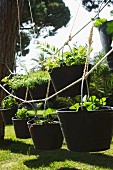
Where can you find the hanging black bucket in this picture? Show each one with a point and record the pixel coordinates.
(87, 131)
(65, 75)
(21, 128)
(106, 41)
(8, 114)
(46, 136)
(40, 90)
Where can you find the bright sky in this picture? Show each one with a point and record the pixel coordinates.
(79, 18)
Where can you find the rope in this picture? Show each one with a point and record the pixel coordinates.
(86, 65)
(75, 18)
(32, 20)
(70, 85)
(71, 37)
(47, 94)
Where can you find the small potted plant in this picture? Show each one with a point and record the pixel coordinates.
(31, 86)
(46, 132)
(9, 107)
(20, 123)
(87, 126)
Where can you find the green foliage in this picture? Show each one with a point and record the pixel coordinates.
(99, 21)
(95, 5)
(110, 27)
(22, 114)
(44, 62)
(77, 55)
(101, 79)
(9, 102)
(91, 103)
(48, 117)
(48, 17)
(63, 102)
(29, 80)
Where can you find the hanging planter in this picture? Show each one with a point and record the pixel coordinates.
(46, 134)
(87, 131)
(8, 108)
(30, 86)
(40, 90)
(65, 75)
(20, 123)
(106, 35)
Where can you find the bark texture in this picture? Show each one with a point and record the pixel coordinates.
(8, 34)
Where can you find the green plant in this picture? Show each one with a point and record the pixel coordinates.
(9, 102)
(23, 114)
(101, 79)
(29, 80)
(77, 55)
(48, 117)
(99, 21)
(91, 103)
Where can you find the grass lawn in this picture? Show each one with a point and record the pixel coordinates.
(19, 154)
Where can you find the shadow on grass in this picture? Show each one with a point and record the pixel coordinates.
(45, 158)
(17, 147)
(67, 169)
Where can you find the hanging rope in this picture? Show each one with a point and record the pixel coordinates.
(85, 71)
(75, 18)
(32, 20)
(70, 38)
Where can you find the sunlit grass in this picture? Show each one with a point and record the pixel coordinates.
(19, 154)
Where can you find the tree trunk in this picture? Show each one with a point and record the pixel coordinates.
(8, 34)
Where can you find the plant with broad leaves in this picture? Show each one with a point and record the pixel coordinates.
(47, 117)
(91, 103)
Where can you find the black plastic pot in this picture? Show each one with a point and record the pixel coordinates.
(65, 75)
(40, 90)
(21, 128)
(106, 41)
(87, 131)
(21, 92)
(8, 114)
(46, 136)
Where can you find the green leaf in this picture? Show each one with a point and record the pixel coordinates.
(75, 106)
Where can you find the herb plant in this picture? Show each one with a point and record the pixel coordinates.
(22, 114)
(28, 80)
(9, 102)
(48, 117)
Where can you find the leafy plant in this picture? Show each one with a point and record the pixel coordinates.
(9, 102)
(22, 114)
(101, 80)
(48, 117)
(99, 21)
(91, 103)
(28, 80)
(77, 55)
